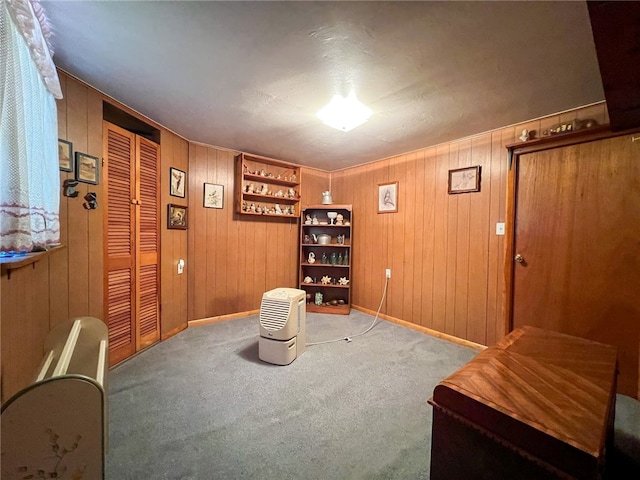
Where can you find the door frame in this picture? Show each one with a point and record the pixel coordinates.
(515, 150)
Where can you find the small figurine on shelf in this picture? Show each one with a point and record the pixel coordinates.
(307, 220)
(293, 177)
(326, 280)
(308, 279)
(314, 220)
(291, 193)
(264, 189)
(343, 281)
(250, 188)
(339, 219)
(279, 193)
(252, 207)
(311, 258)
(278, 209)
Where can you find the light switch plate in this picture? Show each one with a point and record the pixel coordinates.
(500, 228)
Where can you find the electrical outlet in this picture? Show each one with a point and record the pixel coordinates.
(387, 273)
(500, 228)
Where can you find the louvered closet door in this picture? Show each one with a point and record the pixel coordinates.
(120, 256)
(132, 226)
(148, 233)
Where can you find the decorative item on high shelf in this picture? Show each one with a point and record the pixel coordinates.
(570, 126)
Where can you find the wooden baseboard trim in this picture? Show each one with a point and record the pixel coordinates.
(221, 318)
(173, 332)
(420, 328)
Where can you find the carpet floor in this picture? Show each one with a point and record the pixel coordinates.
(201, 405)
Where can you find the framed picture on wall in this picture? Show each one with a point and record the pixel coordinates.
(87, 168)
(388, 197)
(213, 195)
(176, 216)
(463, 180)
(65, 155)
(178, 181)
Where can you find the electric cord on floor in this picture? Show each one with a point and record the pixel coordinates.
(373, 324)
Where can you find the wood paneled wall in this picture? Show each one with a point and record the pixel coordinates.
(314, 182)
(174, 152)
(447, 263)
(76, 273)
(69, 282)
(233, 260)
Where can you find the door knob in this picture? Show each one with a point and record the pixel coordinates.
(519, 258)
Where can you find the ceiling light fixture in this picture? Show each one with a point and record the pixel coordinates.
(344, 113)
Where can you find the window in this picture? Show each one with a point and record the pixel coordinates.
(29, 178)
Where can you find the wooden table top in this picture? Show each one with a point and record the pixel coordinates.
(555, 384)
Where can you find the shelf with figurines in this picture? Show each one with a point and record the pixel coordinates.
(266, 187)
(325, 257)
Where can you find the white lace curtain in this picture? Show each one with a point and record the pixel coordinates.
(29, 173)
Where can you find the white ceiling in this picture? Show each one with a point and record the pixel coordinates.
(250, 76)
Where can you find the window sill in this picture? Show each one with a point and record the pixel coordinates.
(12, 263)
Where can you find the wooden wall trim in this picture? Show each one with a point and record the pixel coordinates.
(419, 328)
(221, 318)
(581, 136)
(173, 332)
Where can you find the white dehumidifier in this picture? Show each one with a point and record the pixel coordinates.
(282, 325)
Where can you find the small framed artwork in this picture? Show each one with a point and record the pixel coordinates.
(463, 180)
(176, 216)
(65, 155)
(388, 197)
(87, 168)
(178, 180)
(213, 195)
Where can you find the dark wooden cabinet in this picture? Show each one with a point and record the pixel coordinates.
(325, 258)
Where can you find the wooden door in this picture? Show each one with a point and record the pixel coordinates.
(147, 239)
(120, 301)
(576, 247)
(132, 226)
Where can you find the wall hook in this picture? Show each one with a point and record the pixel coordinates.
(91, 201)
(69, 188)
